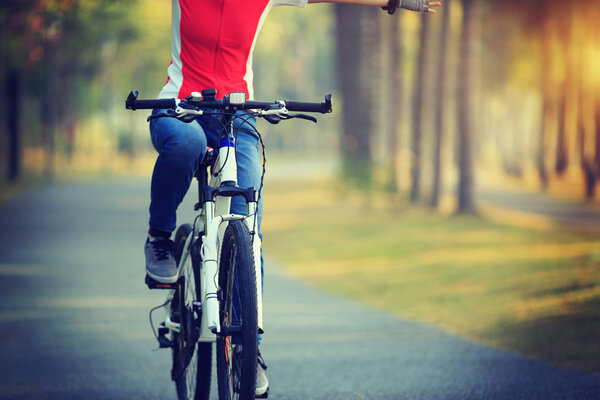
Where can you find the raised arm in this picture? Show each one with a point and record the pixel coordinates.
(413, 5)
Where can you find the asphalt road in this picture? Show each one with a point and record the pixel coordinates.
(73, 321)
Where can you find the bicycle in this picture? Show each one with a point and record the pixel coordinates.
(218, 295)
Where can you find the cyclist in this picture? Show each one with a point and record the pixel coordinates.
(211, 47)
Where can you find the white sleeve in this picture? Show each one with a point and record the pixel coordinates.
(297, 3)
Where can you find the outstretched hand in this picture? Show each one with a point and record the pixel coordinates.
(434, 4)
(423, 6)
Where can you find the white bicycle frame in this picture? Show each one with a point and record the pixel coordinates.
(212, 228)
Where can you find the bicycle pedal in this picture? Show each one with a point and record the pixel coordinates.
(163, 342)
(152, 284)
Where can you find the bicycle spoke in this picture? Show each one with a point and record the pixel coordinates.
(191, 376)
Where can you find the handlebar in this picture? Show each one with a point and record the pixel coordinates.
(233, 101)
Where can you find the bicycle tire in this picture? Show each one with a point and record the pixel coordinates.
(192, 360)
(237, 352)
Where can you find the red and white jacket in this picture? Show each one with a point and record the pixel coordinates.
(212, 44)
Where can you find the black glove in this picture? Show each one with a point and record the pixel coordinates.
(415, 5)
(412, 5)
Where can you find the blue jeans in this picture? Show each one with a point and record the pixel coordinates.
(180, 147)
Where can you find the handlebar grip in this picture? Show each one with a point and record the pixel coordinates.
(323, 108)
(132, 103)
(307, 107)
(153, 104)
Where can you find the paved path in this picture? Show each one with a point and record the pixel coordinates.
(556, 211)
(73, 321)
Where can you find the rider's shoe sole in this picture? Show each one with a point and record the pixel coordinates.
(264, 395)
(154, 283)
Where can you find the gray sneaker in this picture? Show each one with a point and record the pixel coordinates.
(160, 261)
(262, 383)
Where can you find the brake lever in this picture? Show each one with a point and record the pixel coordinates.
(182, 114)
(272, 118)
(187, 117)
(275, 118)
(304, 116)
(168, 114)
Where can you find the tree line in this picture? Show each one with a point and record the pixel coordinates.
(426, 99)
(64, 60)
(460, 67)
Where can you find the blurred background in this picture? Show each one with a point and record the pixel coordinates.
(509, 86)
(461, 162)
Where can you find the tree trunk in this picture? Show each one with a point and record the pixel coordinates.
(356, 116)
(370, 78)
(562, 158)
(567, 101)
(66, 115)
(50, 107)
(418, 96)
(546, 91)
(591, 168)
(376, 50)
(587, 164)
(13, 100)
(466, 202)
(395, 97)
(597, 137)
(4, 154)
(439, 105)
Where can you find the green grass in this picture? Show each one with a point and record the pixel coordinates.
(529, 290)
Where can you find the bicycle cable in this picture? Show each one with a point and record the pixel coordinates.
(264, 162)
(150, 317)
(246, 117)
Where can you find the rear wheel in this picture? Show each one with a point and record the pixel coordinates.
(237, 346)
(192, 360)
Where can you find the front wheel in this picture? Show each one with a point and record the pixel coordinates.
(237, 347)
(192, 360)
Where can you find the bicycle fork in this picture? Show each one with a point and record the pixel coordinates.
(209, 304)
(210, 267)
